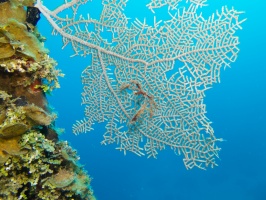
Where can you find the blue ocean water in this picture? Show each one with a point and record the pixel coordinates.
(236, 107)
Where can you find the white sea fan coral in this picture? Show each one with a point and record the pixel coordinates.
(128, 84)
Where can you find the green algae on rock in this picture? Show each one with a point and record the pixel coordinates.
(38, 168)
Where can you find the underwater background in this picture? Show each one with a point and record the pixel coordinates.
(236, 106)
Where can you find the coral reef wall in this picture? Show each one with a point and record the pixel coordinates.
(34, 164)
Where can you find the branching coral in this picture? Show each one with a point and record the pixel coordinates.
(175, 61)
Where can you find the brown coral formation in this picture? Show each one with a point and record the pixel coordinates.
(12, 130)
(9, 147)
(62, 179)
(23, 58)
(38, 115)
